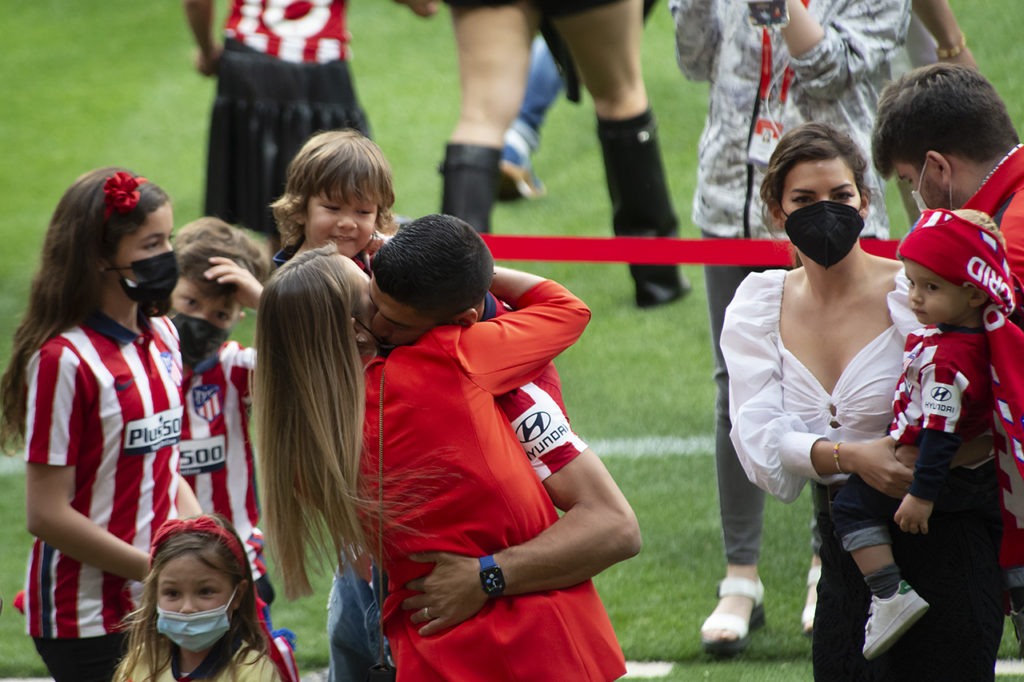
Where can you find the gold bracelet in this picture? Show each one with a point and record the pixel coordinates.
(953, 51)
(835, 456)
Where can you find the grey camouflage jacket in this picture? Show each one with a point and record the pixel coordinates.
(838, 81)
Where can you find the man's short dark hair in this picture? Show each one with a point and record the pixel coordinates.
(437, 264)
(948, 108)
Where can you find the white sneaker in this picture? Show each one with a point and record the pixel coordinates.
(889, 618)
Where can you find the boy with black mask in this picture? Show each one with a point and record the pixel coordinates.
(221, 270)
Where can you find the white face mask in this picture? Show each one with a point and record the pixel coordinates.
(195, 631)
(916, 193)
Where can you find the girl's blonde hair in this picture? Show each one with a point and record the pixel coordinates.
(67, 286)
(338, 165)
(148, 647)
(309, 404)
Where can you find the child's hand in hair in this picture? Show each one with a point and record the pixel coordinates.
(226, 271)
(913, 514)
(375, 243)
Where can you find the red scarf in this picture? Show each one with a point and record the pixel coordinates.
(963, 253)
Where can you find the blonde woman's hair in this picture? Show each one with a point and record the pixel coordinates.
(338, 165)
(149, 648)
(309, 403)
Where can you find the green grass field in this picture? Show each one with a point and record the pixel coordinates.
(90, 84)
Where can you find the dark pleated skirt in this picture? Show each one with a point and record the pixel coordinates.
(265, 110)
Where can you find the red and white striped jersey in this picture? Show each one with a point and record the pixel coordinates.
(216, 454)
(291, 30)
(537, 415)
(946, 385)
(107, 402)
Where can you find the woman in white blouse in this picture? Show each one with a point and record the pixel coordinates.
(814, 354)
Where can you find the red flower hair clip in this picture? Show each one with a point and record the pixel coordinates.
(121, 193)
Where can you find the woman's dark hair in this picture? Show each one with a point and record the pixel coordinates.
(810, 142)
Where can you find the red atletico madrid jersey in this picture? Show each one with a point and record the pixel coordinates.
(216, 454)
(946, 385)
(302, 31)
(107, 402)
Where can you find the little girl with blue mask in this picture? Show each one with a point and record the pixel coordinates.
(198, 616)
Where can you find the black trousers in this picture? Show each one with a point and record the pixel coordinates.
(955, 568)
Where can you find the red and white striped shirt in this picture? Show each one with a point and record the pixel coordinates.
(946, 385)
(107, 402)
(291, 30)
(537, 415)
(216, 454)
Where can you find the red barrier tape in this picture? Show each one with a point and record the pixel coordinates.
(656, 250)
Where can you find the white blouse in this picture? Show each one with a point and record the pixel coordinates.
(779, 409)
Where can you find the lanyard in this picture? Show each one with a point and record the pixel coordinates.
(766, 68)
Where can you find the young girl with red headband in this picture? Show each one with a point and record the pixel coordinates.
(198, 618)
(956, 370)
(93, 391)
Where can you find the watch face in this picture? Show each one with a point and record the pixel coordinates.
(492, 580)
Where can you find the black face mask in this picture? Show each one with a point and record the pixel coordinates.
(155, 278)
(825, 231)
(199, 338)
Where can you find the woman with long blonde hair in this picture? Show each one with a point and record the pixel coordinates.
(309, 413)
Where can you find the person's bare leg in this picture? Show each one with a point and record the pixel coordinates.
(605, 44)
(493, 46)
(872, 558)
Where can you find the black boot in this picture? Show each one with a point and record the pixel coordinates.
(470, 183)
(641, 206)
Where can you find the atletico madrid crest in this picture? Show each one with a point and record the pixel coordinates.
(206, 401)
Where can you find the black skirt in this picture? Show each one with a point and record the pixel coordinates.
(265, 109)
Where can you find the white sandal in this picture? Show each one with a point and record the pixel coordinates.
(807, 616)
(742, 587)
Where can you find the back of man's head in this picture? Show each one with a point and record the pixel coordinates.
(948, 108)
(437, 264)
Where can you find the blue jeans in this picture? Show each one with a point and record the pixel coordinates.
(353, 620)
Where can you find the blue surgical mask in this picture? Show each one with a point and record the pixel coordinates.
(194, 631)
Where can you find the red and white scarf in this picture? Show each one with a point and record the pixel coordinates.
(963, 253)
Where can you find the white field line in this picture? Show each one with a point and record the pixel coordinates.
(651, 446)
(654, 446)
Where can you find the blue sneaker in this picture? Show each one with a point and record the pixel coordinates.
(518, 180)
